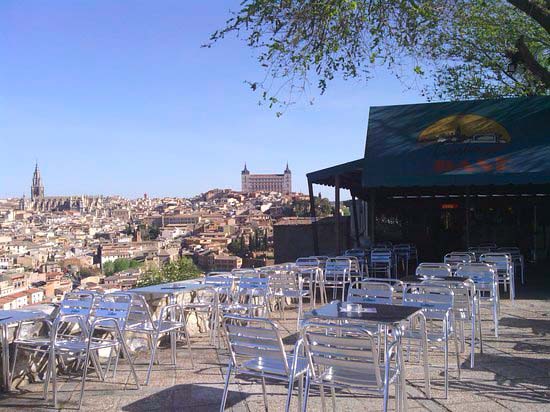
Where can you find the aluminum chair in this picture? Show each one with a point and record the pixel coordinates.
(250, 297)
(517, 259)
(434, 270)
(485, 279)
(403, 254)
(505, 270)
(465, 309)
(397, 285)
(285, 285)
(361, 258)
(381, 262)
(108, 317)
(312, 275)
(337, 275)
(367, 291)
(437, 303)
(170, 321)
(457, 258)
(346, 357)
(205, 307)
(79, 303)
(256, 349)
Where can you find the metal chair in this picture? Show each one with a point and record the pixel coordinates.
(434, 270)
(381, 262)
(485, 279)
(517, 259)
(256, 349)
(346, 357)
(171, 320)
(367, 291)
(437, 303)
(457, 258)
(250, 298)
(108, 318)
(285, 285)
(337, 275)
(361, 259)
(403, 254)
(505, 270)
(465, 309)
(78, 303)
(311, 272)
(205, 307)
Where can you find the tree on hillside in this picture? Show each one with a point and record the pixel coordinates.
(119, 265)
(181, 269)
(300, 208)
(447, 48)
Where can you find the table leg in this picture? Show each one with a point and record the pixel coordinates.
(473, 333)
(5, 359)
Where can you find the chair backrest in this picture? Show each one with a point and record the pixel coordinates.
(381, 256)
(514, 252)
(224, 282)
(349, 351)
(435, 301)
(253, 286)
(78, 303)
(463, 293)
(254, 339)
(402, 250)
(434, 270)
(322, 260)
(358, 253)
(455, 258)
(355, 266)
(337, 269)
(308, 262)
(114, 306)
(283, 280)
(483, 274)
(396, 284)
(367, 291)
(501, 261)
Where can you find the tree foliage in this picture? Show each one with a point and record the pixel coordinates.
(119, 265)
(301, 208)
(181, 269)
(446, 48)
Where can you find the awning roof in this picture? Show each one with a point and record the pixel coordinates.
(482, 143)
(350, 175)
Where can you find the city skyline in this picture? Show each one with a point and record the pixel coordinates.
(110, 108)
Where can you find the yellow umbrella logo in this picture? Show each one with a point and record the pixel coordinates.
(465, 128)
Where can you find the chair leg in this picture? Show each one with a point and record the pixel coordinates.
(457, 355)
(322, 393)
(14, 362)
(289, 392)
(188, 340)
(333, 396)
(300, 391)
(306, 393)
(264, 393)
(446, 367)
(153, 340)
(84, 374)
(226, 387)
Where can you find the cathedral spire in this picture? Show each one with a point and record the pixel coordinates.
(287, 170)
(37, 188)
(245, 170)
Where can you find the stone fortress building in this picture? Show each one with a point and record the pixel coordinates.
(43, 203)
(281, 183)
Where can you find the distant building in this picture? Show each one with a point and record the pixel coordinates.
(57, 203)
(281, 183)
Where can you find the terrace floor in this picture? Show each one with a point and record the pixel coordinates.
(513, 374)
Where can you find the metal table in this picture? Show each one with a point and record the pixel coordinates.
(169, 290)
(11, 317)
(388, 316)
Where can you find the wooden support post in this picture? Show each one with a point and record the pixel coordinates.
(337, 214)
(355, 219)
(467, 218)
(372, 214)
(313, 217)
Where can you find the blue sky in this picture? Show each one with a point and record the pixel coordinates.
(118, 97)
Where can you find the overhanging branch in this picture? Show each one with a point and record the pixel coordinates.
(524, 56)
(535, 10)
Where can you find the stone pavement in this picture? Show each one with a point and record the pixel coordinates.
(513, 374)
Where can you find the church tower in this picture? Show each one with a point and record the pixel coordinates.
(37, 189)
(245, 176)
(287, 181)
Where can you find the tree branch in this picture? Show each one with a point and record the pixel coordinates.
(523, 55)
(535, 10)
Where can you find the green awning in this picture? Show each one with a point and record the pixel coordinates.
(468, 143)
(350, 175)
